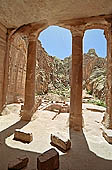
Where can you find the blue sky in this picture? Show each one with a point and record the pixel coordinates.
(57, 41)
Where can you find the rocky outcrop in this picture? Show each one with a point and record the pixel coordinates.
(53, 75)
(94, 74)
(44, 70)
(60, 78)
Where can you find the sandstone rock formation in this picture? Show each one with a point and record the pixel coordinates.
(60, 79)
(53, 75)
(44, 70)
(94, 74)
(17, 70)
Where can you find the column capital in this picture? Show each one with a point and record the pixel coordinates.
(108, 32)
(77, 30)
(32, 37)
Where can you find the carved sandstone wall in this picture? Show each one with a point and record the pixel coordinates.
(17, 70)
(3, 37)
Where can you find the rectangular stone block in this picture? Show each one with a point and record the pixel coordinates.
(62, 144)
(18, 163)
(49, 160)
(23, 136)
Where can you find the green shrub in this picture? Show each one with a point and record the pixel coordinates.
(97, 102)
(89, 92)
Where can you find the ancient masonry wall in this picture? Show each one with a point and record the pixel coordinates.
(17, 70)
(3, 35)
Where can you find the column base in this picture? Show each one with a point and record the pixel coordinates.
(76, 123)
(107, 121)
(25, 115)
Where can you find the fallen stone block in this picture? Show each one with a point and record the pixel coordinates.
(107, 134)
(96, 109)
(18, 163)
(65, 109)
(22, 136)
(61, 143)
(49, 160)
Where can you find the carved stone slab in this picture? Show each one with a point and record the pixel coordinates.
(61, 143)
(23, 136)
(18, 163)
(49, 160)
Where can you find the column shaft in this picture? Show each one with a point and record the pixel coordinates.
(76, 84)
(108, 115)
(30, 81)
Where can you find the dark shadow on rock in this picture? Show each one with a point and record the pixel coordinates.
(79, 157)
(9, 154)
(58, 147)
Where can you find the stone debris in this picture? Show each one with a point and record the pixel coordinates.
(107, 134)
(49, 160)
(62, 108)
(18, 163)
(96, 109)
(61, 143)
(23, 136)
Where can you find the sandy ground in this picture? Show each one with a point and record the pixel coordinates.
(89, 149)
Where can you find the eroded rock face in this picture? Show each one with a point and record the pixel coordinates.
(60, 142)
(44, 70)
(52, 74)
(17, 70)
(89, 61)
(94, 74)
(18, 163)
(48, 160)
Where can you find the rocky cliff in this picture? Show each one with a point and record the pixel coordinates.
(44, 70)
(94, 75)
(53, 75)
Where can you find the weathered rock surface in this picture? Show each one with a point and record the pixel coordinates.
(61, 143)
(94, 74)
(23, 136)
(44, 70)
(16, 14)
(61, 107)
(18, 163)
(49, 160)
(53, 75)
(17, 70)
(3, 37)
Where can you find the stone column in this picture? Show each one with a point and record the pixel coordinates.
(76, 80)
(30, 79)
(108, 116)
(6, 65)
